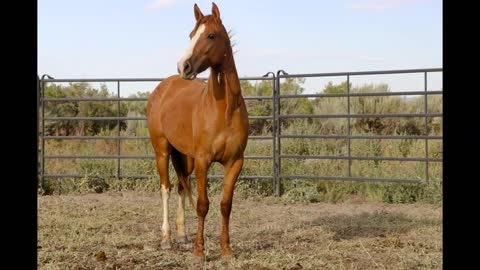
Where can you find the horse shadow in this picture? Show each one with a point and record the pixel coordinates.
(379, 224)
(369, 225)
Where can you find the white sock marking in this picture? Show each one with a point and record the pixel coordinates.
(181, 215)
(165, 226)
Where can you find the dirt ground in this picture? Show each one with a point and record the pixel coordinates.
(122, 230)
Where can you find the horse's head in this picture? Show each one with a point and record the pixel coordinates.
(209, 44)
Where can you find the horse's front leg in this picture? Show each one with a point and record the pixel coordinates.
(201, 168)
(162, 154)
(232, 170)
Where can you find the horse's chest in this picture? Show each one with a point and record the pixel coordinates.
(228, 144)
(218, 139)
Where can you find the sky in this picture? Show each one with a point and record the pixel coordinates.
(146, 38)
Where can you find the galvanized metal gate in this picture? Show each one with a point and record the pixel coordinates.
(276, 119)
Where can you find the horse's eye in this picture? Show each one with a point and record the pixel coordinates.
(211, 36)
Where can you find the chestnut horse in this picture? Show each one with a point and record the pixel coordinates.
(197, 123)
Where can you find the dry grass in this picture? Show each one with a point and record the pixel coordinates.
(121, 230)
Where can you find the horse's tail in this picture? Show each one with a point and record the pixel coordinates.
(187, 188)
(181, 164)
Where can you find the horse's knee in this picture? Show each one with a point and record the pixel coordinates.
(226, 207)
(165, 189)
(202, 207)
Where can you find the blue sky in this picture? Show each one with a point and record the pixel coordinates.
(146, 38)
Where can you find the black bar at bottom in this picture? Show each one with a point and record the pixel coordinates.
(147, 176)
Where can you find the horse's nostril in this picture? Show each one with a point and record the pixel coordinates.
(186, 67)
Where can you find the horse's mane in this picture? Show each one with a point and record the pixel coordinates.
(231, 34)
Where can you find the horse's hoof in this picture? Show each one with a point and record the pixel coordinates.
(166, 245)
(182, 240)
(227, 258)
(198, 259)
(185, 243)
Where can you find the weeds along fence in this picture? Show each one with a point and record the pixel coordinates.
(277, 137)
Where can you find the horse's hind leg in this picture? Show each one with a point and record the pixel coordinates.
(183, 167)
(162, 154)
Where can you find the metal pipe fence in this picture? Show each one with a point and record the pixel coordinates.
(349, 135)
(277, 118)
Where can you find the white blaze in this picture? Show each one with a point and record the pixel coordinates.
(191, 46)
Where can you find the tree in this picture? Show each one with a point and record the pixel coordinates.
(265, 107)
(260, 107)
(79, 109)
(336, 89)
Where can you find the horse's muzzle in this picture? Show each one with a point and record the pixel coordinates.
(185, 70)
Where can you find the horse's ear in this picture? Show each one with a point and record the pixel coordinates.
(215, 11)
(198, 13)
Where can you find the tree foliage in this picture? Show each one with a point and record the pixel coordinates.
(256, 107)
(79, 109)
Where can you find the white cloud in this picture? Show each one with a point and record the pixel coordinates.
(381, 4)
(160, 4)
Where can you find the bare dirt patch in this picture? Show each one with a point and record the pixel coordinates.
(121, 230)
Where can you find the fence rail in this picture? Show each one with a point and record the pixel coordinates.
(276, 138)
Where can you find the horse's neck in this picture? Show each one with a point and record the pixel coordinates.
(224, 87)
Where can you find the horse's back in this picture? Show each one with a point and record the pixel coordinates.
(172, 87)
(173, 91)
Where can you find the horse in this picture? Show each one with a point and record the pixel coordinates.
(197, 123)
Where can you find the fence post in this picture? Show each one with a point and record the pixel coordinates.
(276, 139)
(278, 191)
(274, 124)
(426, 129)
(38, 165)
(118, 132)
(349, 132)
(42, 98)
